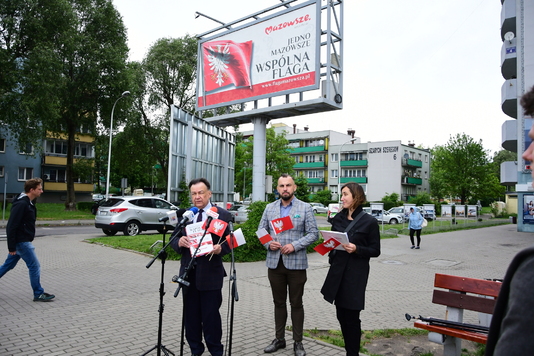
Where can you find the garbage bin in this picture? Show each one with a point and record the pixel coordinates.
(513, 219)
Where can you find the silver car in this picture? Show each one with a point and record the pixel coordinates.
(385, 216)
(240, 215)
(319, 208)
(131, 215)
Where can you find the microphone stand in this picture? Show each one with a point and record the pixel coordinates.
(235, 296)
(162, 254)
(182, 280)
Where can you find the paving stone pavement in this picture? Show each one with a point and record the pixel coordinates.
(107, 300)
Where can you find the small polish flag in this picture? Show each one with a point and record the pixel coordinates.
(238, 239)
(281, 224)
(326, 246)
(264, 236)
(217, 227)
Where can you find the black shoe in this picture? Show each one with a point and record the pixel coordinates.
(45, 297)
(299, 349)
(275, 345)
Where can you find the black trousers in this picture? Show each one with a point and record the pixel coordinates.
(418, 234)
(351, 328)
(202, 316)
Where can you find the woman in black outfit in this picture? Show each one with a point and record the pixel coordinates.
(346, 280)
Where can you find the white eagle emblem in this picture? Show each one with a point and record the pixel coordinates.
(330, 244)
(219, 58)
(218, 226)
(278, 225)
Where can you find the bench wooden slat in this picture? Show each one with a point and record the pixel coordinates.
(464, 301)
(467, 335)
(468, 285)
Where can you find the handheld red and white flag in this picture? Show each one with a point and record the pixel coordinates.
(281, 224)
(264, 236)
(326, 246)
(238, 239)
(217, 227)
(226, 62)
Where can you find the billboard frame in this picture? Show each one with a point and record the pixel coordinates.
(291, 102)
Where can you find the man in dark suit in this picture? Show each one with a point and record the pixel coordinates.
(203, 297)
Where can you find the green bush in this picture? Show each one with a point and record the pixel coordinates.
(85, 205)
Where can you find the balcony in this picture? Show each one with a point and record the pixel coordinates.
(308, 149)
(358, 163)
(316, 180)
(358, 180)
(57, 160)
(304, 165)
(412, 163)
(508, 17)
(62, 187)
(509, 59)
(509, 98)
(509, 135)
(509, 173)
(412, 180)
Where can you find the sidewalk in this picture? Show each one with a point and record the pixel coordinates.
(107, 300)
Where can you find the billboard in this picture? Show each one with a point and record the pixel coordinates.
(274, 56)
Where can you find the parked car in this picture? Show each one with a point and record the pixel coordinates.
(427, 214)
(385, 216)
(319, 208)
(96, 205)
(240, 215)
(233, 210)
(132, 215)
(98, 197)
(400, 210)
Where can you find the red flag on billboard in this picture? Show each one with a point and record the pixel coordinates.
(326, 246)
(281, 224)
(264, 236)
(225, 63)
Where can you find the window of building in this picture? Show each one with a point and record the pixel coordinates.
(55, 175)
(354, 173)
(313, 143)
(310, 159)
(333, 189)
(295, 144)
(321, 158)
(314, 174)
(334, 173)
(27, 150)
(334, 157)
(354, 156)
(2, 145)
(25, 173)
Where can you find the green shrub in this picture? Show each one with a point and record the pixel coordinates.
(85, 205)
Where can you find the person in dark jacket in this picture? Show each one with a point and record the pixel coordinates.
(513, 317)
(203, 297)
(20, 234)
(347, 277)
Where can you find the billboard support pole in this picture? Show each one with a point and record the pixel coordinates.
(258, 158)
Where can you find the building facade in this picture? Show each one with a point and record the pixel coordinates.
(329, 159)
(517, 68)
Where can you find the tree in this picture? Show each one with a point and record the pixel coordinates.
(303, 192)
(66, 64)
(461, 168)
(278, 159)
(323, 196)
(390, 200)
(501, 157)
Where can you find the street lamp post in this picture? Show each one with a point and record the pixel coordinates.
(126, 93)
(339, 168)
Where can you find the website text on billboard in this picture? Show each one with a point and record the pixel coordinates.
(274, 56)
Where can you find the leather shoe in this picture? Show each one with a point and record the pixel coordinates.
(275, 345)
(299, 349)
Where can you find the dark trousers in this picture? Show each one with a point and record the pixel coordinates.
(351, 328)
(202, 316)
(281, 280)
(418, 234)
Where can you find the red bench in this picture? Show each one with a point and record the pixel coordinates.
(461, 294)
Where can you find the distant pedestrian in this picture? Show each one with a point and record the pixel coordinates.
(415, 225)
(20, 234)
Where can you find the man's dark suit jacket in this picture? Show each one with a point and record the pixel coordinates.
(209, 273)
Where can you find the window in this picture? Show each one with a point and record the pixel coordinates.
(334, 157)
(333, 189)
(334, 173)
(354, 156)
(25, 174)
(314, 174)
(2, 145)
(354, 173)
(28, 150)
(310, 159)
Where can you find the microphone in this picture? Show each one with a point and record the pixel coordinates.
(164, 218)
(212, 214)
(231, 226)
(188, 215)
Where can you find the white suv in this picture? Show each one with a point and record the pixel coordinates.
(131, 215)
(386, 217)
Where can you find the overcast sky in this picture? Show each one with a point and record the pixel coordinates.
(415, 70)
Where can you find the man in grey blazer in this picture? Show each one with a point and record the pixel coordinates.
(287, 260)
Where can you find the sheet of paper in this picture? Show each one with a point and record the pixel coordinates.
(339, 236)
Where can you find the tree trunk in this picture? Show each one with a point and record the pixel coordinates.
(70, 202)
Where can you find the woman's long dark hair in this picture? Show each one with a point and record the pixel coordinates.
(358, 195)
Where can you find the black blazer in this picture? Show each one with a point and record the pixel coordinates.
(209, 273)
(346, 280)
